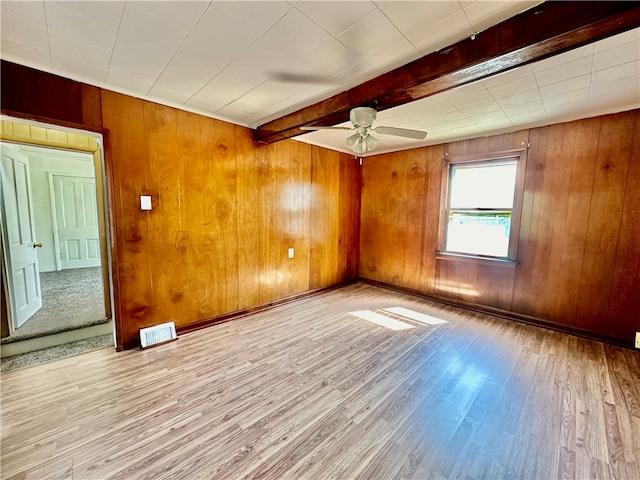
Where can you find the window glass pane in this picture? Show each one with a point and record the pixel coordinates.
(479, 233)
(483, 186)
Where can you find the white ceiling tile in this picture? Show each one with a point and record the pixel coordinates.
(435, 121)
(237, 109)
(617, 40)
(168, 94)
(567, 109)
(264, 56)
(357, 74)
(443, 34)
(623, 87)
(188, 71)
(297, 34)
(216, 41)
(508, 76)
(21, 52)
(128, 84)
(79, 51)
(438, 111)
(27, 12)
(480, 109)
(271, 92)
(243, 74)
(524, 108)
(128, 68)
(413, 17)
(433, 128)
(478, 97)
(283, 107)
(557, 60)
(257, 16)
(108, 13)
(217, 31)
(521, 98)
(181, 14)
(185, 86)
(492, 120)
(328, 60)
(141, 51)
(329, 19)
(618, 55)
(465, 90)
(433, 105)
(581, 95)
(571, 69)
(25, 33)
(223, 89)
(395, 56)
(518, 117)
(140, 24)
(507, 89)
(619, 71)
(204, 104)
(80, 28)
(371, 35)
(78, 69)
(484, 14)
(614, 103)
(565, 86)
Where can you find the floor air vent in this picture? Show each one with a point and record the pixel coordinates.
(157, 335)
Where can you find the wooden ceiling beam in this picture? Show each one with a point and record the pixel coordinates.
(548, 29)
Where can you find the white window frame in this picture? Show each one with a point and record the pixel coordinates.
(519, 156)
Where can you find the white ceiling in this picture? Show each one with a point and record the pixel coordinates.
(249, 62)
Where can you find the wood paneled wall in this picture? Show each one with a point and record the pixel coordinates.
(579, 241)
(29, 91)
(225, 212)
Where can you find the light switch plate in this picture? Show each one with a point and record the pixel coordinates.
(145, 202)
(290, 253)
(637, 339)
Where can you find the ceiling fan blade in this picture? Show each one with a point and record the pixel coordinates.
(402, 132)
(325, 128)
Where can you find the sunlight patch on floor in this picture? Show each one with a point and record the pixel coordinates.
(416, 316)
(381, 320)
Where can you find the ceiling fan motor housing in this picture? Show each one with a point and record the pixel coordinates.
(362, 116)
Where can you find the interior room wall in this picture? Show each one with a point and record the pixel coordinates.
(578, 251)
(40, 165)
(226, 211)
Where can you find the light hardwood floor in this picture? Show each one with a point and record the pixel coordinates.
(307, 391)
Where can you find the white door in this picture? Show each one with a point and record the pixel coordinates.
(76, 211)
(19, 236)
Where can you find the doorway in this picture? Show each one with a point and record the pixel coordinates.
(53, 211)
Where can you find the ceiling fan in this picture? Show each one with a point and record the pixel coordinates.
(362, 141)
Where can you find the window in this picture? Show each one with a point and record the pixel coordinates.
(482, 208)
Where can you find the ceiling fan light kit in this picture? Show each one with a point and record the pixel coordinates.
(362, 141)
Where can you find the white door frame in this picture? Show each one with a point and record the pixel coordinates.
(101, 179)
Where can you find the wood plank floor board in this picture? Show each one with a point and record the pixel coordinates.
(307, 391)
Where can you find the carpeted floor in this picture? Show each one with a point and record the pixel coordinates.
(71, 299)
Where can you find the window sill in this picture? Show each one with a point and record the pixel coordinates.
(459, 257)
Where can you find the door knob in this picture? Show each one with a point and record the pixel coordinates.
(37, 245)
